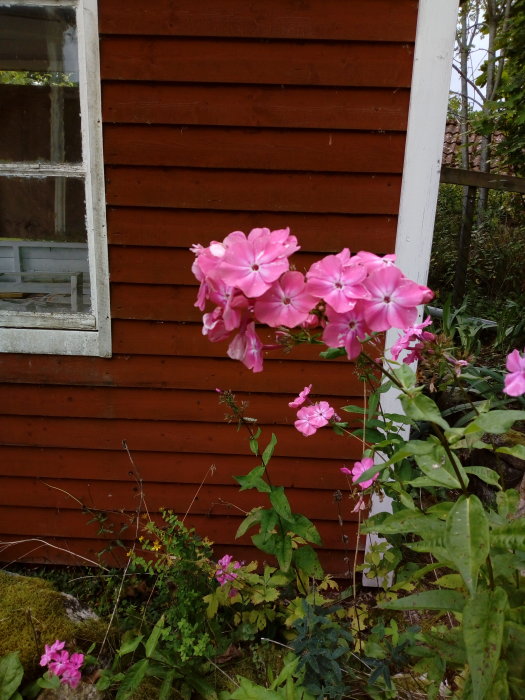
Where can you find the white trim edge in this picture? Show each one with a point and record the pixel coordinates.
(434, 51)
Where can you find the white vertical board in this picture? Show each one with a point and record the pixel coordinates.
(434, 51)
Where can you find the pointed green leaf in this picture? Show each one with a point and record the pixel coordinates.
(422, 408)
(151, 644)
(268, 450)
(436, 466)
(305, 528)
(467, 538)
(489, 476)
(132, 679)
(249, 521)
(283, 551)
(509, 536)
(516, 451)
(407, 521)
(280, 502)
(406, 376)
(166, 689)
(306, 559)
(129, 645)
(428, 600)
(254, 480)
(496, 422)
(11, 674)
(483, 618)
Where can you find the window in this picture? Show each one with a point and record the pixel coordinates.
(54, 281)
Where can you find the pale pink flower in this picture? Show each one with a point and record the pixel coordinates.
(311, 418)
(360, 468)
(247, 347)
(225, 571)
(393, 299)
(213, 325)
(336, 280)
(410, 335)
(345, 330)
(374, 262)
(288, 302)
(51, 651)
(307, 421)
(515, 380)
(301, 398)
(254, 263)
(311, 321)
(360, 505)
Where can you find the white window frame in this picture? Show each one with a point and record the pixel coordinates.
(64, 333)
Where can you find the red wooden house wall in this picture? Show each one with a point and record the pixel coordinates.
(217, 116)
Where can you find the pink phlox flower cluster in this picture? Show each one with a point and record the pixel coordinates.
(226, 570)
(415, 334)
(60, 663)
(515, 380)
(249, 280)
(360, 468)
(311, 418)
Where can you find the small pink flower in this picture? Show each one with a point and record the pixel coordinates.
(338, 281)
(393, 299)
(345, 330)
(360, 468)
(311, 418)
(410, 335)
(71, 677)
(515, 380)
(301, 398)
(225, 571)
(288, 302)
(247, 347)
(51, 650)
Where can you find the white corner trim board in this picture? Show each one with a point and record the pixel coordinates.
(434, 51)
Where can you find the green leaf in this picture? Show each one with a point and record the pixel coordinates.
(11, 674)
(132, 679)
(509, 536)
(483, 617)
(489, 476)
(280, 502)
(496, 422)
(428, 600)
(516, 451)
(306, 559)
(467, 538)
(151, 644)
(422, 408)
(353, 409)
(166, 689)
(268, 450)
(406, 376)
(284, 552)
(254, 480)
(249, 521)
(436, 466)
(130, 644)
(332, 353)
(305, 528)
(406, 521)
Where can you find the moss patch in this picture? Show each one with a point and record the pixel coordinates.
(33, 613)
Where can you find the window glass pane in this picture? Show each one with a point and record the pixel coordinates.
(40, 115)
(43, 246)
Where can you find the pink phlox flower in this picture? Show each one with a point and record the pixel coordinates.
(337, 282)
(323, 412)
(345, 330)
(213, 325)
(311, 321)
(50, 652)
(311, 418)
(360, 505)
(360, 468)
(282, 237)
(225, 571)
(59, 663)
(410, 335)
(374, 262)
(71, 676)
(287, 302)
(515, 380)
(254, 264)
(247, 348)
(301, 398)
(233, 302)
(393, 299)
